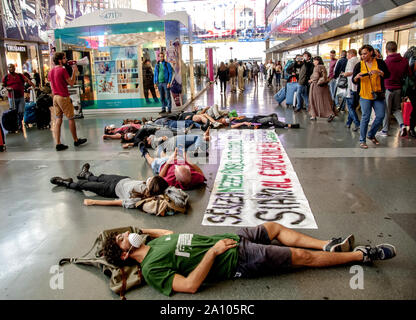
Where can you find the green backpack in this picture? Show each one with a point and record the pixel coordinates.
(121, 279)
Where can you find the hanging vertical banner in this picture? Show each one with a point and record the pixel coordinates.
(173, 56)
(209, 63)
(256, 183)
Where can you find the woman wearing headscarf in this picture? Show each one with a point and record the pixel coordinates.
(320, 101)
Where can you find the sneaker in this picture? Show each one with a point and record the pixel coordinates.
(216, 125)
(356, 129)
(199, 152)
(60, 147)
(79, 142)
(331, 117)
(383, 133)
(403, 131)
(340, 244)
(85, 172)
(347, 126)
(381, 252)
(61, 181)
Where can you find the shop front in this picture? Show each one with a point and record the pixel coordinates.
(113, 78)
(23, 55)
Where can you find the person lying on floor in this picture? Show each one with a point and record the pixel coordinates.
(177, 170)
(202, 118)
(112, 132)
(256, 122)
(178, 124)
(127, 191)
(174, 262)
(192, 142)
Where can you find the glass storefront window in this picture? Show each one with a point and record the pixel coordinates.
(403, 41)
(412, 37)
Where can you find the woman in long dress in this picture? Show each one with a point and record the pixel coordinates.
(240, 76)
(320, 101)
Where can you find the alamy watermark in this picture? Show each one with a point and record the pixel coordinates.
(357, 280)
(56, 282)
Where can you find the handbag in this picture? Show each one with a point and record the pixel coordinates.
(377, 95)
(342, 82)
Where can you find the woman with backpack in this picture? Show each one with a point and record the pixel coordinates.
(127, 190)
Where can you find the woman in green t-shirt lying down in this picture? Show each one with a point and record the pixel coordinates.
(181, 262)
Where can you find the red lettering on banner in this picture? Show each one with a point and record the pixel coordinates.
(282, 173)
(286, 184)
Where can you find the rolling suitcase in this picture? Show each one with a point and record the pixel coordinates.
(2, 140)
(43, 114)
(30, 113)
(9, 118)
(280, 95)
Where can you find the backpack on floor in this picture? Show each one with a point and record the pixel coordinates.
(122, 279)
(173, 201)
(43, 113)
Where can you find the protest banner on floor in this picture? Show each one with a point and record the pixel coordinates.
(256, 183)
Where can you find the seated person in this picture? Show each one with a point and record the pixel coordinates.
(174, 262)
(260, 121)
(180, 173)
(190, 141)
(111, 132)
(127, 190)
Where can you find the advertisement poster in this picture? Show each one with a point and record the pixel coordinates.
(256, 183)
(106, 84)
(173, 56)
(105, 67)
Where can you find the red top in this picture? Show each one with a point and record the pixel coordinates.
(196, 177)
(15, 81)
(57, 77)
(126, 127)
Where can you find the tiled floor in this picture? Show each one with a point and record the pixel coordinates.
(370, 193)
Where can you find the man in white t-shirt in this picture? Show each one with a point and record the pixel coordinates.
(352, 94)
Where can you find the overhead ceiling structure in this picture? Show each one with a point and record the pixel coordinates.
(372, 14)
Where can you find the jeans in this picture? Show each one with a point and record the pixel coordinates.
(352, 104)
(183, 141)
(104, 185)
(302, 95)
(393, 104)
(366, 106)
(157, 164)
(19, 104)
(332, 88)
(165, 96)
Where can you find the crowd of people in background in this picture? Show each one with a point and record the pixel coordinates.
(369, 88)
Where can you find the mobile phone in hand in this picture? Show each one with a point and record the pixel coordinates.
(365, 74)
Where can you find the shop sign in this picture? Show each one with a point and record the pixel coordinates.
(110, 15)
(15, 48)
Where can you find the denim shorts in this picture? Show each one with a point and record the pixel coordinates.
(257, 256)
(157, 164)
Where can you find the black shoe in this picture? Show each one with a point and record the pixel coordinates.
(79, 142)
(85, 172)
(2, 148)
(331, 117)
(295, 126)
(206, 126)
(60, 147)
(199, 151)
(61, 181)
(412, 133)
(142, 148)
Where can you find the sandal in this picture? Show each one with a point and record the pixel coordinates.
(363, 145)
(374, 140)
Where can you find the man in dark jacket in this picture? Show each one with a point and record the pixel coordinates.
(303, 84)
(399, 69)
(148, 81)
(340, 68)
